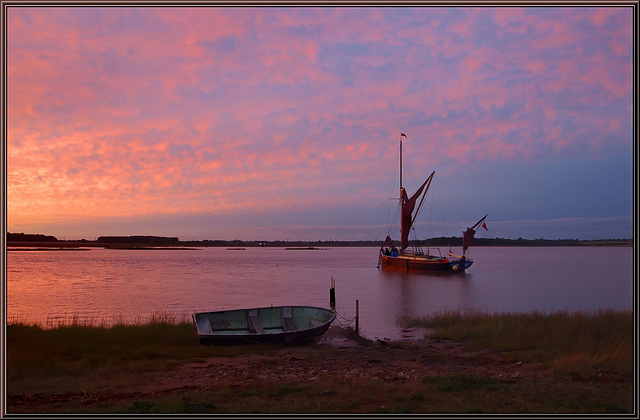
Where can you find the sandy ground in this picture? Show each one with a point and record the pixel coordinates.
(337, 355)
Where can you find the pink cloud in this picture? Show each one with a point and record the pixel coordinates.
(138, 111)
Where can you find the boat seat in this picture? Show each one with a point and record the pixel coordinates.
(255, 326)
(289, 325)
(287, 319)
(205, 326)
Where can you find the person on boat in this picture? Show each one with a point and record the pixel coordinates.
(390, 248)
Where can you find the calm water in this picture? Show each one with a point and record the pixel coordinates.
(102, 284)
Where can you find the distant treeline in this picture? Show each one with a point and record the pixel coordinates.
(457, 242)
(146, 240)
(29, 237)
(453, 241)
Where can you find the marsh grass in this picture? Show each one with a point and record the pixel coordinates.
(568, 342)
(81, 348)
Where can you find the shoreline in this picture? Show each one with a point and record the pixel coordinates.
(33, 240)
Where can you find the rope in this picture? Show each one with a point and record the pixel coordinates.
(348, 321)
(394, 224)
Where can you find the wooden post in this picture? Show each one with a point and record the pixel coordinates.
(332, 294)
(357, 316)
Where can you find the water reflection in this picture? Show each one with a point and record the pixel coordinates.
(414, 295)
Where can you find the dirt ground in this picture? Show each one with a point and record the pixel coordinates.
(337, 355)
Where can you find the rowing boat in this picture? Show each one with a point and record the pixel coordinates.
(285, 324)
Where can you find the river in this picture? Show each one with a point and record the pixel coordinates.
(103, 285)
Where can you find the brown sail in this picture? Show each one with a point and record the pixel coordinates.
(467, 236)
(408, 205)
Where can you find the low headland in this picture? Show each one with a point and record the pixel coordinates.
(39, 241)
(468, 362)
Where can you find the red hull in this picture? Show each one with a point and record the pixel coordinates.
(418, 263)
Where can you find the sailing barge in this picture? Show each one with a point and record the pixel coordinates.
(392, 258)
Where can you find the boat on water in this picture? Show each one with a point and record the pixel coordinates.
(285, 324)
(405, 259)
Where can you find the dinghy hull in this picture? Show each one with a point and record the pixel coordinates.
(286, 324)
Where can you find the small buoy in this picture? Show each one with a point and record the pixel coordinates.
(455, 267)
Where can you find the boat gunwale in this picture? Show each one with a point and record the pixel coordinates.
(419, 257)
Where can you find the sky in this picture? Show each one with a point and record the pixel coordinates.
(268, 123)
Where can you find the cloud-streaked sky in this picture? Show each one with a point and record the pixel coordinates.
(284, 123)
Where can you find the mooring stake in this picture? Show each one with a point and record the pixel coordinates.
(332, 294)
(357, 316)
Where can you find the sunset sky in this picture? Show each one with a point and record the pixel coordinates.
(284, 123)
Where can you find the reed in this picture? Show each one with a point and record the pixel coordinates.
(566, 341)
(76, 347)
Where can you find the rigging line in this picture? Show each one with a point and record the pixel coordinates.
(429, 215)
(410, 179)
(392, 191)
(446, 231)
(391, 221)
(389, 194)
(392, 225)
(426, 213)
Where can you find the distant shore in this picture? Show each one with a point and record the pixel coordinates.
(20, 241)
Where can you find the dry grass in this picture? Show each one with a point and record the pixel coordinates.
(76, 347)
(569, 342)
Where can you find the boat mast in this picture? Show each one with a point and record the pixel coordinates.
(402, 194)
(401, 165)
(407, 204)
